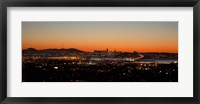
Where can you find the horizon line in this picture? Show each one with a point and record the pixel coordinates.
(105, 50)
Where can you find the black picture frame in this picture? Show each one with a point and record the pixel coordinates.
(99, 3)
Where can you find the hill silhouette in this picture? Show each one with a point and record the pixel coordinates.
(51, 51)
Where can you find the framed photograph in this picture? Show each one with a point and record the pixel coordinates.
(98, 51)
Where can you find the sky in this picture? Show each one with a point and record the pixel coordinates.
(125, 36)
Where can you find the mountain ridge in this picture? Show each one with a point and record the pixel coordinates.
(52, 50)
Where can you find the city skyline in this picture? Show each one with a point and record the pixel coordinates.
(89, 36)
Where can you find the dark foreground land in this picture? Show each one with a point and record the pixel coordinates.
(52, 70)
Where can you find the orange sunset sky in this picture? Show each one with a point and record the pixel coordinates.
(89, 36)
